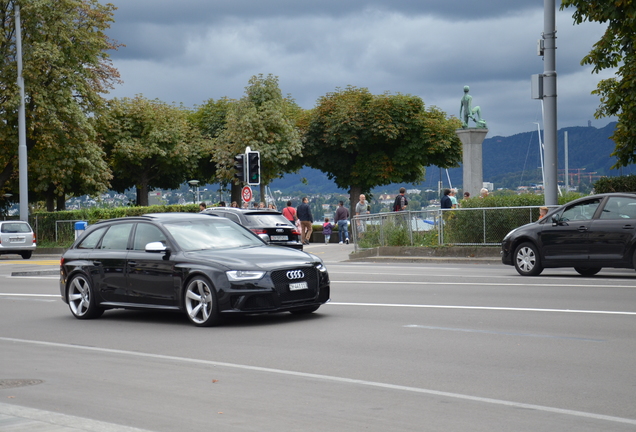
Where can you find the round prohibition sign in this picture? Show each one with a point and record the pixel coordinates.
(246, 193)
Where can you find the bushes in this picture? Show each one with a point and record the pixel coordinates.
(616, 184)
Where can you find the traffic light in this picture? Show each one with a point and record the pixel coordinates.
(239, 166)
(253, 168)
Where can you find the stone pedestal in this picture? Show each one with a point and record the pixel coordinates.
(472, 139)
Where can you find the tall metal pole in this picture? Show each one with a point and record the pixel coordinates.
(567, 165)
(22, 149)
(550, 102)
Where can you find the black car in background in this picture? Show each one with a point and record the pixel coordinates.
(588, 234)
(204, 266)
(269, 224)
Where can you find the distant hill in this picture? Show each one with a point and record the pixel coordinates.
(508, 162)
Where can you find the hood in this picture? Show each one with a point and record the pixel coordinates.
(263, 257)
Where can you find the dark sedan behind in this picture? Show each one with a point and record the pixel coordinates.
(588, 234)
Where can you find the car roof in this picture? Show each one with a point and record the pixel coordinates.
(603, 195)
(211, 210)
(158, 217)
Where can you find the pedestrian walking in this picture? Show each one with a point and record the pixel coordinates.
(303, 212)
(327, 228)
(290, 212)
(446, 202)
(400, 202)
(342, 219)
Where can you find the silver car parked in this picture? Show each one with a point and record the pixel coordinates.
(17, 237)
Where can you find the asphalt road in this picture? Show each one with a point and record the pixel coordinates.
(401, 347)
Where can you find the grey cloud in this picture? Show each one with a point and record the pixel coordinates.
(395, 49)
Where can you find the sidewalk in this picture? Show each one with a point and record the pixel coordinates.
(20, 419)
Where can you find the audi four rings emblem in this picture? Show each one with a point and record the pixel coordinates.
(295, 274)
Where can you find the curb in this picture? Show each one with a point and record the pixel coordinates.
(466, 255)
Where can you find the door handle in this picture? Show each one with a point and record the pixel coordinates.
(582, 229)
(97, 263)
(628, 226)
(132, 263)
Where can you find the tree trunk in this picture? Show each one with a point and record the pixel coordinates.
(142, 195)
(236, 194)
(354, 197)
(61, 203)
(50, 199)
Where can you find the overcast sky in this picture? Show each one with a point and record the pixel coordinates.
(189, 51)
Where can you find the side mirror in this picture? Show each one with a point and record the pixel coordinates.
(556, 219)
(264, 237)
(156, 247)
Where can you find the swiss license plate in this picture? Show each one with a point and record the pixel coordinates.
(16, 239)
(279, 237)
(298, 286)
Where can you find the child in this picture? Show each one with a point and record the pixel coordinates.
(326, 230)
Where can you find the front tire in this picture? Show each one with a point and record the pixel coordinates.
(200, 303)
(587, 271)
(81, 299)
(527, 260)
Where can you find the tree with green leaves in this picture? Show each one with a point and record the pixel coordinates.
(66, 70)
(211, 119)
(615, 49)
(150, 144)
(264, 121)
(361, 140)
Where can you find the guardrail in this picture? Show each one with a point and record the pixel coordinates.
(485, 226)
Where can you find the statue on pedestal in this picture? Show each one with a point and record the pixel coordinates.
(466, 111)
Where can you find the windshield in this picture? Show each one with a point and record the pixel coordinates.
(192, 235)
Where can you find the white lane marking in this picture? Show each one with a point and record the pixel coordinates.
(502, 333)
(28, 295)
(481, 308)
(543, 285)
(427, 273)
(336, 379)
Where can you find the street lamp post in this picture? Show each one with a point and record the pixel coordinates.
(22, 150)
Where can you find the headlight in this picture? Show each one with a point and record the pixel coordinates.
(243, 275)
(321, 267)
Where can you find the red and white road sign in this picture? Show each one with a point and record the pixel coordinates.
(246, 193)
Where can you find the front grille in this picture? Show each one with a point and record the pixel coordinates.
(281, 283)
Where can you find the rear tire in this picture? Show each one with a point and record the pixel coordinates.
(527, 260)
(587, 271)
(81, 299)
(26, 255)
(200, 302)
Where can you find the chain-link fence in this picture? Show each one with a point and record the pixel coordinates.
(407, 228)
(463, 227)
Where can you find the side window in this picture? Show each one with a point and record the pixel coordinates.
(92, 239)
(146, 233)
(117, 236)
(581, 211)
(619, 208)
